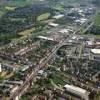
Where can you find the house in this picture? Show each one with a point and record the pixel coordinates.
(9, 67)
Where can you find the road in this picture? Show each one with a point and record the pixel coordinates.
(88, 27)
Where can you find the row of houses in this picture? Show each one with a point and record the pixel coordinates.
(12, 67)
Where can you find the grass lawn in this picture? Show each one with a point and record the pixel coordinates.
(61, 78)
(97, 20)
(9, 8)
(43, 16)
(1, 13)
(97, 36)
(59, 7)
(26, 32)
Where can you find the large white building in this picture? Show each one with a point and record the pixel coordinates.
(58, 16)
(95, 54)
(45, 38)
(77, 91)
(53, 24)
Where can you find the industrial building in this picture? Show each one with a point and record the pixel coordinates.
(45, 38)
(95, 54)
(53, 24)
(77, 91)
(58, 16)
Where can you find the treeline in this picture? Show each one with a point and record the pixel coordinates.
(96, 2)
(95, 30)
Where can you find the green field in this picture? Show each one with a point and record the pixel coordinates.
(9, 8)
(97, 20)
(59, 7)
(1, 13)
(43, 16)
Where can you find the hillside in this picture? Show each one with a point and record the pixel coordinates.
(19, 15)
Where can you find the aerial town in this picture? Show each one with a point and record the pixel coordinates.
(49, 50)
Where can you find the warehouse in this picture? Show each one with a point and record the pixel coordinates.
(46, 38)
(53, 24)
(77, 91)
(95, 54)
(58, 16)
